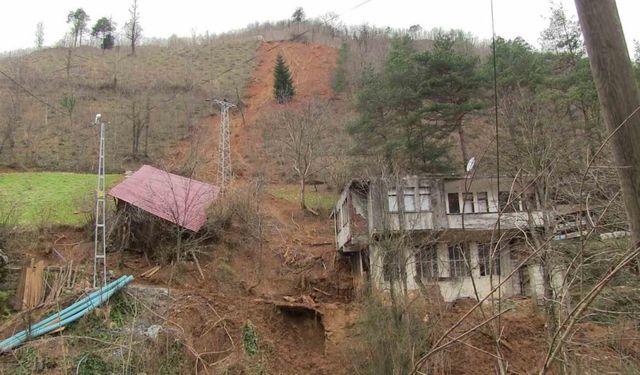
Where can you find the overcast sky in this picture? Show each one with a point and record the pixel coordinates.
(162, 18)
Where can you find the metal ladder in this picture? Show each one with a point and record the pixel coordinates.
(100, 244)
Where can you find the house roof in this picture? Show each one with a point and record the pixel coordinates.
(180, 200)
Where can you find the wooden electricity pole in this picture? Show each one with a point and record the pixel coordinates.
(618, 94)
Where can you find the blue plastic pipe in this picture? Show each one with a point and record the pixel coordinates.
(61, 315)
(66, 316)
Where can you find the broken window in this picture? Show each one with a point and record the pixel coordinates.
(459, 261)
(409, 199)
(427, 262)
(484, 260)
(454, 203)
(393, 201)
(483, 202)
(468, 202)
(424, 194)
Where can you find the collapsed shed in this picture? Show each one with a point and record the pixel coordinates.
(153, 193)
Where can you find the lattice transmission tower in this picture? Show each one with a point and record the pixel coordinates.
(100, 243)
(224, 147)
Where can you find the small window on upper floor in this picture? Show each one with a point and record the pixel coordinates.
(424, 196)
(483, 202)
(454, 203)
(468, 203)
(409, 199)
(393, 201)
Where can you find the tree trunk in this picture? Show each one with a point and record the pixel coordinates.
(133, 37)
(618, 95)
(463, 145)
(302, 187)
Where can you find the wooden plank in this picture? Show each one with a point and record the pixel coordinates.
(19, 296)
(150, 272)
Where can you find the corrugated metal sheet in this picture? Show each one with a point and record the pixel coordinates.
(178, 199)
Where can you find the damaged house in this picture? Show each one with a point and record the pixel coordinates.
(150, 198)
(439, 232)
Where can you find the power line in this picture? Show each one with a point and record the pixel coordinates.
(495, 107)
(29, 92)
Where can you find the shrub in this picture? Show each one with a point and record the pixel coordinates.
(250, 339)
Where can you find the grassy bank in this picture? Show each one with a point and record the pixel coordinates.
(48, 197)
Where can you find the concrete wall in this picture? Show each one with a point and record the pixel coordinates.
(459, 287)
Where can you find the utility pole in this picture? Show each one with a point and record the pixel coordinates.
(100, 243)
(224, 147)
(618, 94)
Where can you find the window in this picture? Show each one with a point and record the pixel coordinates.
(459, 261)
(483, 202)
(391, 270)
(454, 203)
(409, 199)
(427, 262)
(504, 204)
(484, 260)
(468, 202)
(393, 201)
(424, 194)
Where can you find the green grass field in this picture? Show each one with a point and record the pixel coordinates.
(313, 199)
(49, 197)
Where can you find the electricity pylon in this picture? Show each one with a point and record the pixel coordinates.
(224, 147)
(100, 243)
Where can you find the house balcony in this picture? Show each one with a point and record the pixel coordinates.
(489, 220)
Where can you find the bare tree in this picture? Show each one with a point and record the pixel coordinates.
(300, 137)
(133, 30)
(139, 116)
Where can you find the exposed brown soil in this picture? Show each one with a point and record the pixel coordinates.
(296, 260)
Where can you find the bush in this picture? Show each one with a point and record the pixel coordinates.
(92, 364)
(250, 339)
(387, 331)
(240, 208)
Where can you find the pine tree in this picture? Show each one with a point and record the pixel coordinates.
(283, 89)
(339, 79)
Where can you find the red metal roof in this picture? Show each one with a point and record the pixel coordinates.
(178, 199)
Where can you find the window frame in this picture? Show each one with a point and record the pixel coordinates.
(466, 201)
(409, 192)
(484, 259)
(459, 260)
(424, 195)
(485, 200)
(457, 203)
(392, 196)
(426, 258)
